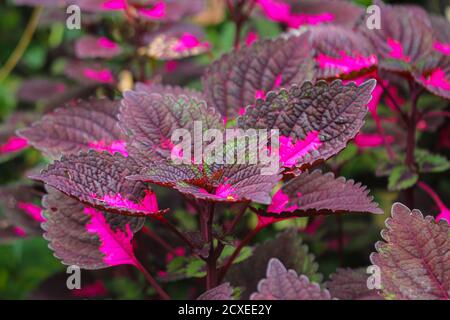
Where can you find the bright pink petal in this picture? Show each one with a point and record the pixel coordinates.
(13, 144)
(275, 10)
(115, 244)
(251, 37)
(297, 20)
(346, 63)
(102, 76)
(18, 231)
(171, 66)
(148, 204)
(157, 12)
(437, 79)
(106, 43)
(397, 50)
(115, 146)
(443, 48)
(114, 5)
(96, 289)
(290, 153)
(32, 210)
(279, 203)
(371, 140)
(189, 41)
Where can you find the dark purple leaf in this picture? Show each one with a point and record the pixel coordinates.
(87, 125)
(222, 292)
(342, 12)
(20, 212)
(86, 237)
(40, 89)
(405, 38)
(151, 119)
(315, 121)
(238, 78)
(350, 284)
(96, 47)
(295, 255)
(168, 90)
(99, 180)
(414, 260)
(282, 284)
(316, 191)
(89, 73)
(341, 51)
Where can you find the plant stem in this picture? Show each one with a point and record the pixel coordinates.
(433, 195)
(340, 240)
(163, 294)
(411, 139)
(21, 47)
(158, 239)
(234, 255)
(179, 234)
(206, 226)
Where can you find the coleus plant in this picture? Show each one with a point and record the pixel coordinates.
(314, 84)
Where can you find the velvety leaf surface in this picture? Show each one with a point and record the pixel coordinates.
(405, 38)
(342, 12)
(151, 118)
(99, 180)
(85, 237)
(434, 73)
(96, 47)
(218, 183)
(222, 292)
(88, 125)
(40, 89)
(168, 90)
(20, 211)
(350, 284)
(238, 78)
(322, 192)
(282, 284)
(340, 51)
(317, 120)
(294, 255)
(414, 258)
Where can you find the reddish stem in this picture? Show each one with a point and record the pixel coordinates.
(163, 294)
(238, 249)
(433, 195)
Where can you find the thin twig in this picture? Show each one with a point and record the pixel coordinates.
(163, 294)
(21, 47)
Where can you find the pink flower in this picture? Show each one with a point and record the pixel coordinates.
(297, 20)
(13, 144)
(397, 50)
(437, 79)
(148, 204)
(189, 41)
(444, 213)
(346, 63)
(114, 5)
(106, 43)
(34, 211)
(102, 76)
(371, 140)
(115, 244)
(290, 152)
(115, 146)
(157, 12)
(279, 203)
(275, 10)
(251, 37)
(443, 48)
